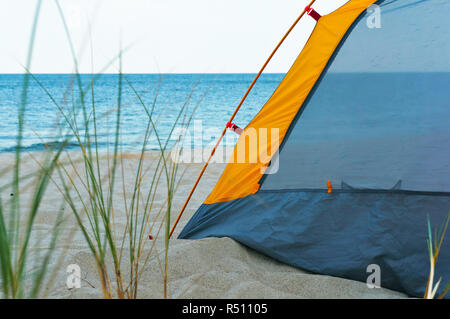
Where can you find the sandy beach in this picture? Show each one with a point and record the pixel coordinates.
(207, 268)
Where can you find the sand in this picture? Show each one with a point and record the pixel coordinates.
(207, 268)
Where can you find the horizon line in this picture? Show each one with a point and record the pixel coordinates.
(139, 73)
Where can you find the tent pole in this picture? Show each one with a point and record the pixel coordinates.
(233, 115)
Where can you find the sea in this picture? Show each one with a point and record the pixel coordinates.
(344, 106)
(56, 105)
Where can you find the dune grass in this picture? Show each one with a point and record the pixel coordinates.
(23, 270)
(96, 193)
(434, 247)
(96, 216)
(91, 192)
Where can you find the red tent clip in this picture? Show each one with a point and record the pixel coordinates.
(236, 129)
(313, 13)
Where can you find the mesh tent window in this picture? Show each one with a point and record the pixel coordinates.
(381, 112)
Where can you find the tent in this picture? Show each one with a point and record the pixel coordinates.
(362, 155)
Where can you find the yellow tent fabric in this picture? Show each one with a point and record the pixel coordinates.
(241, 177)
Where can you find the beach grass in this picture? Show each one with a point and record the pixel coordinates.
(96, 218)
(434, 244)
(90, 193)
(23, 269)
(142, 215)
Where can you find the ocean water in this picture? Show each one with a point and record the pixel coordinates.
(214, 95)
(345, 106)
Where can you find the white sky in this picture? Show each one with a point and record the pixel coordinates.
(168, 36)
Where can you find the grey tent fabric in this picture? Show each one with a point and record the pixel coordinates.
(338, 234)
(377, 125)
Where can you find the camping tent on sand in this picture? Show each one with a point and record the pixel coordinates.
(363, 151)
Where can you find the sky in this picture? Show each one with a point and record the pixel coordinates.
(161, 36)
